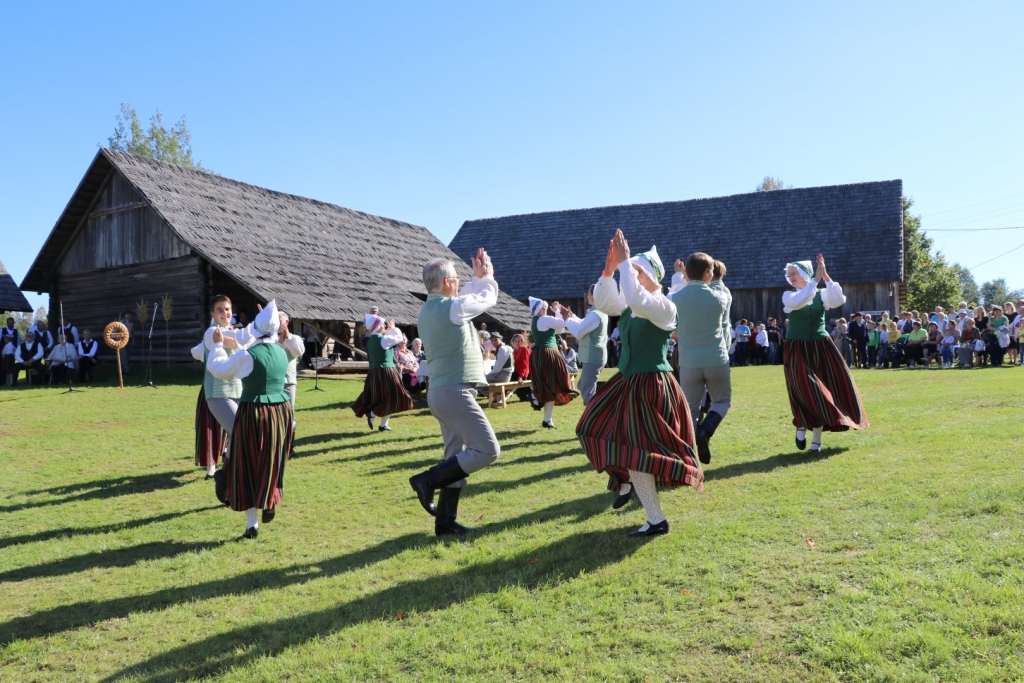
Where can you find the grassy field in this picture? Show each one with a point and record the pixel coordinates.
(895, 554)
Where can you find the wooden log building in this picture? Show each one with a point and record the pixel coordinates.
(138, 229)
(859, 227)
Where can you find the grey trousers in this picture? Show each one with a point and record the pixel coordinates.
(499, 376)
(716, 381)
(224, 410)
(465, 430)
(587, 383)
(290, 390)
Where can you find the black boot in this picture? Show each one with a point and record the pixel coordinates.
(220, 486)
(705, 430)
(447, 511)
(437, 477)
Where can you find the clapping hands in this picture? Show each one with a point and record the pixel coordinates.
(482, 266)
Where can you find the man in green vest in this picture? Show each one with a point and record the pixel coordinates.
(592, 334)
(702, 316)
(456, 370)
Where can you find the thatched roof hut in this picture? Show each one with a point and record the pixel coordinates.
(11, 298)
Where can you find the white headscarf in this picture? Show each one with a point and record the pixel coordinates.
(805, 267)
(536, 305)
(267, 322)
(371, 322)
(651, 263)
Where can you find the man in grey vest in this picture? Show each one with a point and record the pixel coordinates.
(456, 370)
(702, 313)
(592, 334)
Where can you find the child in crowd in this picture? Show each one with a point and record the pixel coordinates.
(946, 347)
(873, 340)
(883, 345)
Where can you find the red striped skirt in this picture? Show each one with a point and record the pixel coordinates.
(210, 437)
(550, 377)
(383, 394)
(821, 389)
(260, 443)
(641, 423)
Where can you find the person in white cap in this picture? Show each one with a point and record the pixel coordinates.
(822, 394)
(638, 427)
(456, 371)
(261, 438)
(548, 372)
(383, 392)
(592, 334)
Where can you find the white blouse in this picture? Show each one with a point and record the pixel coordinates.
(832, 296)
(655, 307)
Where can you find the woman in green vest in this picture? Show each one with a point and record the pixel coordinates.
(638, 426)
(822, 393)
(548, 372)
(383, 392)
(262, 435)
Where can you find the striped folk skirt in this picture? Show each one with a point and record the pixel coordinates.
(821, 389)
(383, 394)
(641, 423)
(550, 377)
(210, 437)
(260, 443)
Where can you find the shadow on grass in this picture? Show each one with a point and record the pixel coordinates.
(774, 462)
(103, 559)
(495, 486)
(337, 405)
(85, 613)
(560, 561)
(105, 488)
(97, 530)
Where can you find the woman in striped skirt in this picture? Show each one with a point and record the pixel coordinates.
(548, 372)
(821, 390)
(210, 437)
(383, 392)
(262, 435)
(638, 426)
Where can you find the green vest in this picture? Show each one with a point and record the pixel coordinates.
(701, 324)
(808, 323)
(219, 388)
(453, 351)
(542, 339)
(727, 321)
(593, 346)
(644, 346)
(379, 356)
(265, 384)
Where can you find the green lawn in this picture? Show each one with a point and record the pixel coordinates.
(896, 554)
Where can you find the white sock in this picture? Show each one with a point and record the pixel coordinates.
(211, 470)
(549, 410)
(801, 434)
(251, 520)
(648, 494)
(384, 420)
(816, 436)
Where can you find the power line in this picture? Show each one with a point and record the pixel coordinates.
(964, 230)
(936, 213)
(1001, 211)
(997, 257)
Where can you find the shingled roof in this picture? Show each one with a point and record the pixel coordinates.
(320, 261)
(858, 227)
(11, 298)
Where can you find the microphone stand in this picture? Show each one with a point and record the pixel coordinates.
(149, 350)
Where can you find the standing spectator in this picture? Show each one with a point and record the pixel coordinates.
(312, 343)
(858, 332)
(1011, 314)
(10, 339)
(761, 345)
(883, 343)
(874, 338)
(43, 336)
(126, 320)
(845, 343)
(981, 324)
(87, 349)
(742, 342)
(774, 342)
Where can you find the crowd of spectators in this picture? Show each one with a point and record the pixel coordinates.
(46, 357)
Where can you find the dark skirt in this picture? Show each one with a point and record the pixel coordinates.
(383, 394)
(260, 443)
(210, 437)
(641, 423)
(821, 389)
(550, 377)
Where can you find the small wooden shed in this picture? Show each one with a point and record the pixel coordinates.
(138, 229)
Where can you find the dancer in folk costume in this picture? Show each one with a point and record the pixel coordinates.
(218, 398)
(548, 372)
(822, 393)
(262, 435)
(295, 348)
(383, 392)
(638, 426)
(456, 370)
(591, 333)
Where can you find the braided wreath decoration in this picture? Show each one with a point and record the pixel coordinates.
(116, 335)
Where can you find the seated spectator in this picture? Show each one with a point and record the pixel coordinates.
(29, 357)
(981, 325)
(408, 365)
(61, 359)
(87, 349)
(569, 355)
(521, 365)
(915, 345)
(930, 348)
(504, 362)
(950, 339)
(998, 338)
(970, 337)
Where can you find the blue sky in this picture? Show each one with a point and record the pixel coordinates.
(434, 113)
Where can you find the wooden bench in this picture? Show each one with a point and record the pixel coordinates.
(496, 392)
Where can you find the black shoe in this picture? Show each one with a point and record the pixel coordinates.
(547, 425)
(268, 516)
(220, 486)
(801, 443)
(369, 419)
(251, 532)
(384, 429)
(437, 477)
(651, 530)
(537, 405)
(705, 430)
(623, 498)
(208, 477)
(447, 511)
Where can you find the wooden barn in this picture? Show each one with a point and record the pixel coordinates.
(138, 230)
(859, 228)
(11, 298)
